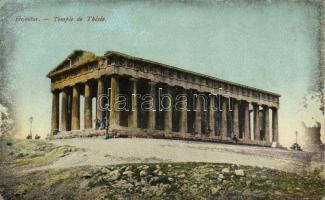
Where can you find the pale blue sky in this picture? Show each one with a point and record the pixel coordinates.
(270, 45)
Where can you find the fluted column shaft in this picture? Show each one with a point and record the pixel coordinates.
(212, 115)
(256, 122)
(224, 120)
(247, 134)
(114, 115)
(266, 123)
(75, 108)
(198, 115)
(134, 104)
(64, 111)
(152, 112)
(88, 107)
(183, 126)
(100, 92)
(236, 119)
(168, 117)
(275, 125)
(55, 111)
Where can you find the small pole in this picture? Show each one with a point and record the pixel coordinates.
(31, 125)
(296, 133)
(106, 124)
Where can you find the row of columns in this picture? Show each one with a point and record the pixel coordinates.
(114, 114)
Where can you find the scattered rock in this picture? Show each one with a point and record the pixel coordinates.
(143, 173)
(115, 175)
(21, 155)
(263, 177)
(105, 170)
(221, 176)
(128, 173)
(86, 175)
(123, 168)
(170, 179)
(248, 183)
(128, 168)
(153, 180)
(239, 172)
(181, 176)
(225, 170)
(144, 190)
(322, 174)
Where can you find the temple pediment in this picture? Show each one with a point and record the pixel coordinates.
(77, 57)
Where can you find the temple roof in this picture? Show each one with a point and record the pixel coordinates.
(129, 57)
(81, 57)
(77, 57)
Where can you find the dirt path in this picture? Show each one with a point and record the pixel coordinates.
(135, 150)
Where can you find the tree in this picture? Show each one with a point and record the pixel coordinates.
(6, 123)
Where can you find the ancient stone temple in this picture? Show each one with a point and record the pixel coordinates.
(215, 109)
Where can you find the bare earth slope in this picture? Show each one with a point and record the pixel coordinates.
(155, 169)
(136, 150)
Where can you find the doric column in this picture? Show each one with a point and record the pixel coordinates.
(75, 108)
(134, 104)
(266, 123)
(198, 116)
(64, 110)
(168, 117)
(183, 115)
(256, 109)
(88, 107)
(152, 112)
(212, 115)
(55, 111)
(235, 123)
(275, 137)
(246, 134)
(100, 92)
(224, 120)
(114, 115)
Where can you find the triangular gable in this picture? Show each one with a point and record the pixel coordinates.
(77, 57)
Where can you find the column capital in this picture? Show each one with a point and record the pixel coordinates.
(179, 87)
(152, 83)
(56, 91)
(133, 79)
(265, 106)
(102, 77)
(274, 108)
(66, 88)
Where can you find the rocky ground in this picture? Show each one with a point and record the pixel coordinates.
(177, 180)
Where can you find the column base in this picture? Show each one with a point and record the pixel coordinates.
(126, 132)
(275, 145)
